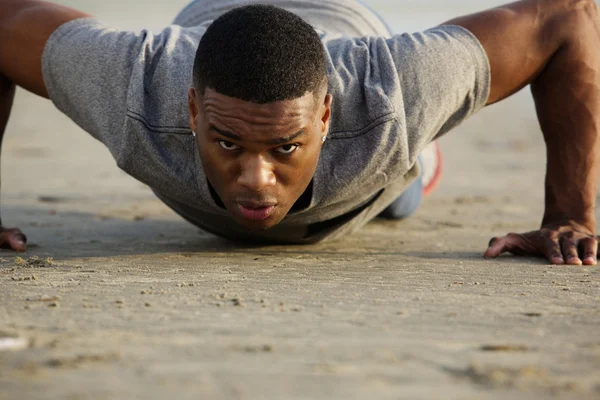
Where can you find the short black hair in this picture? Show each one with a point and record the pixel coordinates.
(261, 54)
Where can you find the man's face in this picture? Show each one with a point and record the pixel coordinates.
(259, 158)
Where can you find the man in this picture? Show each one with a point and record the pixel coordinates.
(296, 133)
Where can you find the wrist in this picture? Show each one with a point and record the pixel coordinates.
(570, 204)
(557, 218)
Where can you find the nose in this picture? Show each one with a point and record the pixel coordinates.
(256, 173)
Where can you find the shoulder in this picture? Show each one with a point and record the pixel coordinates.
(363, 89)
(162, 74)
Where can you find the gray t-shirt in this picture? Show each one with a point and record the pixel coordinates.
(393, 94)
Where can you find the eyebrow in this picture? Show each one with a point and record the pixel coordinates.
(235, 136)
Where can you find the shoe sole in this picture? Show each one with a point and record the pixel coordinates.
(435, 180)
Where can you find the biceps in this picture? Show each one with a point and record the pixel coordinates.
(25, 26)
(519, 39)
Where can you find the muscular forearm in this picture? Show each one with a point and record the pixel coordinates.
(567, 96)
(571, 175)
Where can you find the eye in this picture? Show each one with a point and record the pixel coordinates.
(287, 148)
(228, 145)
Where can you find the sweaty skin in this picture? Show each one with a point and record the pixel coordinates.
(553, 45)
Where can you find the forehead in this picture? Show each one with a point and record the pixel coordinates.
(247, 117)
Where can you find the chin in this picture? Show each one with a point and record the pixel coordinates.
(258, 226)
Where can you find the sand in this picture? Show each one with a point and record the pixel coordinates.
(125, 300)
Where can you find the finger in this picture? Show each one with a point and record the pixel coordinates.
(588, 250)
(512, 243)
(569, 251)
(18, 242)
(14, 239)
(552, 251)
(496, 247)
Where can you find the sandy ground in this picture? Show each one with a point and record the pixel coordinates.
(136, 303)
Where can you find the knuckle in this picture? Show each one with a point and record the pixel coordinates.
(549, 234)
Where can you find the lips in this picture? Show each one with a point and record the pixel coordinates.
(256, 211)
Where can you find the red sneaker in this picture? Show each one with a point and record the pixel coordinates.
(431, 167)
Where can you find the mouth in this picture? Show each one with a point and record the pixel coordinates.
(256, 211)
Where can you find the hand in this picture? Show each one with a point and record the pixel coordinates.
(13, 239)
(562, 243)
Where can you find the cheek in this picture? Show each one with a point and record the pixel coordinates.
(218, 169)
(300, 171)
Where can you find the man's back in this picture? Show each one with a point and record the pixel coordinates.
(344, 17)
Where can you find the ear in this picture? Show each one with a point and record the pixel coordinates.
(326, 114)
(193, 109)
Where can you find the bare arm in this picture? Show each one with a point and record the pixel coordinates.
(9, 238)
(25, 26)
(554, 45)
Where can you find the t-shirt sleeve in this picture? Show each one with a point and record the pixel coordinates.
(426, 82)
(102, 78)
(444, 78)
(87, 70)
